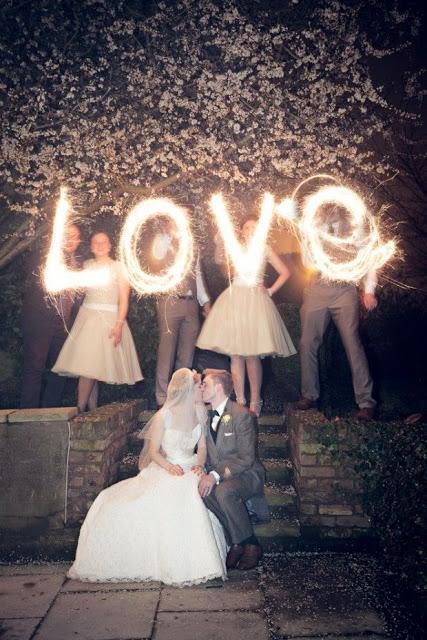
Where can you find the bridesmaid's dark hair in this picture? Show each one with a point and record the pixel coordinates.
(104, 231)
(95, 232)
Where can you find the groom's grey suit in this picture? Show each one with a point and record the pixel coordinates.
(233, 457)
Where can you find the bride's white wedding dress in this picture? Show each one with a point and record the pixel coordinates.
(154, 526)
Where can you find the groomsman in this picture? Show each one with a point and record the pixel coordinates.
(45, 324)
(325, 300)
(177, 315)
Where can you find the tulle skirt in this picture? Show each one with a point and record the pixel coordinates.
(90, 352)
(151, 527)
(244, 321)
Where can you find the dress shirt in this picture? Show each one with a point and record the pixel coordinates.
(220, 409)
(215, 420)
(162, 244)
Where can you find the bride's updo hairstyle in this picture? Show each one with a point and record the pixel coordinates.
(181, 412)
(180, 386)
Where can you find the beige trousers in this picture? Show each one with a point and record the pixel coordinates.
(322, 302)
(179, 326)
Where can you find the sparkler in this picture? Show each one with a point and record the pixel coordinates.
(246, 260)
(57, 276)
(142, 281)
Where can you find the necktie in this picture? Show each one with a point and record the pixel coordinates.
(212, 413)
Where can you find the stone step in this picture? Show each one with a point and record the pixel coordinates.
(281, 499)
(266, 423)
(273, 445)
(271, 420)
(280, 527)
(278, 471)
(278, 534)
(270, 445)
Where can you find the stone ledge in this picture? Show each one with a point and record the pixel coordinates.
(57, 414)
(4, 413)
(33, 460)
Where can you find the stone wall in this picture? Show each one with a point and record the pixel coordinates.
(328, 489)
(98, 442)
(53, 463)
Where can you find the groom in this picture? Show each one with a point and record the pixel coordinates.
(234, 472)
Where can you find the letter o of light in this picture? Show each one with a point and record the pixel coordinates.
(148, 283)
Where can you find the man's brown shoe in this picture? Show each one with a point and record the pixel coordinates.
(304, 404)
(251, 556)
(365, 413)
(234, 555)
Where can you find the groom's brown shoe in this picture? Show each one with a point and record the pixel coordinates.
(234, 555)
(365, 413)
(304, 404)
(252, 554)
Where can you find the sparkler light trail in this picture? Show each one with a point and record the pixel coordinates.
(362, 244)
(142, 281)
(348, 258)
(57, 276)
(246, 260)
(286, 209)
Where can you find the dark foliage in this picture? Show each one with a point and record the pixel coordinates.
(391, 459)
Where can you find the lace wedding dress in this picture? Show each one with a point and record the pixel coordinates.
(154, 526)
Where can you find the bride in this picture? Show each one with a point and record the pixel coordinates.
(155, 526)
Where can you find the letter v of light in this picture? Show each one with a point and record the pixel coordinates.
(247, 260)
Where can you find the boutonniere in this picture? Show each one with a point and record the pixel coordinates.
(226, 419)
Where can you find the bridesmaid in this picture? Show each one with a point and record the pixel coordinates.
(100, 345)
(245, 324)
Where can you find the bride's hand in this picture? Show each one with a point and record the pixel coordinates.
(175, 470)
(197, 469)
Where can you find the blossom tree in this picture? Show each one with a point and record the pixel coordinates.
(118, 101)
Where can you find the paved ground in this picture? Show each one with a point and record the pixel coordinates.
(295, 595)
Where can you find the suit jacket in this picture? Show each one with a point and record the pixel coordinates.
(235, 449)
(39, 313)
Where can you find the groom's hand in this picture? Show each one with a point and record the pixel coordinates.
(206, 484)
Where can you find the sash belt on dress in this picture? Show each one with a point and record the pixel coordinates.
(99, 306)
